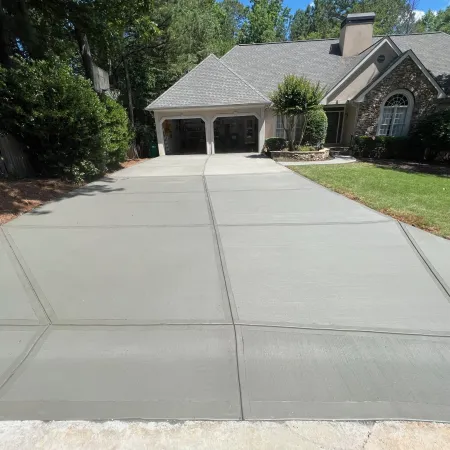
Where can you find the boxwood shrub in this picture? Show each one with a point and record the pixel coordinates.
(316, 128)
(381, 147)
(274, 144)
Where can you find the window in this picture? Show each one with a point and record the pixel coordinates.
(280, 132)
(396, 114)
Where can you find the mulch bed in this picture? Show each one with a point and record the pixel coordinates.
(20, 196)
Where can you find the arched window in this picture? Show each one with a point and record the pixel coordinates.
(395, 114)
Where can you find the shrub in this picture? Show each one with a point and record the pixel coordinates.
(67, 129)
(381, 147)
(432, 135)
(295, 96)
(306, 148)
(274, 144)
(316, 128)
(116, 132)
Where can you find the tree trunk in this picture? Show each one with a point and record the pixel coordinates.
(302, 132)
(5, 53)
(85, 52)
(129, 92)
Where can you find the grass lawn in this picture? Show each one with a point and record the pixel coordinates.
(419, 199)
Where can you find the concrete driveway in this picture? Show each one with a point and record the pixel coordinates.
(220, 288)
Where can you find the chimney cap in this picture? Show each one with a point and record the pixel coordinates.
(357, 18)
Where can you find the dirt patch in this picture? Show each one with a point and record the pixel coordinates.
(18, 197)
(131, 163)
(411, 166)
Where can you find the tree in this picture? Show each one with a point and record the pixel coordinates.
(267, 21)
(294, 98)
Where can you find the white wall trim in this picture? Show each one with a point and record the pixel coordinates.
(239, 114)
(409, 111)
(362, 95)
(377, 46)
(162, 119)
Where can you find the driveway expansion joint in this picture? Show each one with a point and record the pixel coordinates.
(425, 261)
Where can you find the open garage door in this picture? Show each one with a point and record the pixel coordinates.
(184, 136)
(236, 134)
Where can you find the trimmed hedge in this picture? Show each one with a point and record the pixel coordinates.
(274, 144)
(381, 147)
(316, 128)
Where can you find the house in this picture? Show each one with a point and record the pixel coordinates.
(374, 86)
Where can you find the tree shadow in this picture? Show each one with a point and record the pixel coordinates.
(440, 170)
(23, 196)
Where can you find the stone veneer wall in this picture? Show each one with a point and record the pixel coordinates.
(408, 76)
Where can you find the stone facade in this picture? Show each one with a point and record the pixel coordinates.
(406, 75)
(286, 155)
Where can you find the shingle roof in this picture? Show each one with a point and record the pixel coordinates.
(264, 65)
(248, 74)
(211, 83)
(433, 50)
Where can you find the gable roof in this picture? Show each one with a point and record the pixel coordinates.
(264, 65)
(211, 83)
(366, 54)
(408, 54)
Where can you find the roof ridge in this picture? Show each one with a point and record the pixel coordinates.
(242, 79)
(181, 78)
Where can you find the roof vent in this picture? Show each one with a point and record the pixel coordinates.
(356, 33)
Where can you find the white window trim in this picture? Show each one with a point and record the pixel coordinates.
(409, 110)
(275, 127)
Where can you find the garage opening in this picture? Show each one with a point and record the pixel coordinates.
(236, 134)
(184, 136)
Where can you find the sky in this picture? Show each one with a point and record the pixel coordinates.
(423, 5)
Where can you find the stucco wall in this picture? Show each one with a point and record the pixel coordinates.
(349, 124)
(270, 118)
(406, 75)
(370, 70)
(355, 38)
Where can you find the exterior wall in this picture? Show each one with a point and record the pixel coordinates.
(349, 124)
(271, 123)
(364, 75)
(355, 38)
(209, 115)
(405, 76)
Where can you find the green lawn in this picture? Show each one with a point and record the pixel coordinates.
(420, 199)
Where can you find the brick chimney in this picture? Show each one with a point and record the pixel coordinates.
(356, 33)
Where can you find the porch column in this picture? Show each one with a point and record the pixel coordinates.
(209, 132)
(159, 134)
(262, 130)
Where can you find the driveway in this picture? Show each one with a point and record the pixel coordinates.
(223, 287)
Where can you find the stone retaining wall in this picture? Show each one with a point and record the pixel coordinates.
(286, 155)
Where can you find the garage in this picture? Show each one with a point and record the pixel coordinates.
(236, 134)
(184, 136)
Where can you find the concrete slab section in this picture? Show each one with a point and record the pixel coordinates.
(435, 249)
(103, 373)
(121, 210)
(18, 302)
(166, 166)
(125, 275)
(294, 374)
(315, 205)
(143, 185)
(257, 182)
(16, 342)
(241, 163)
(339, 276)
